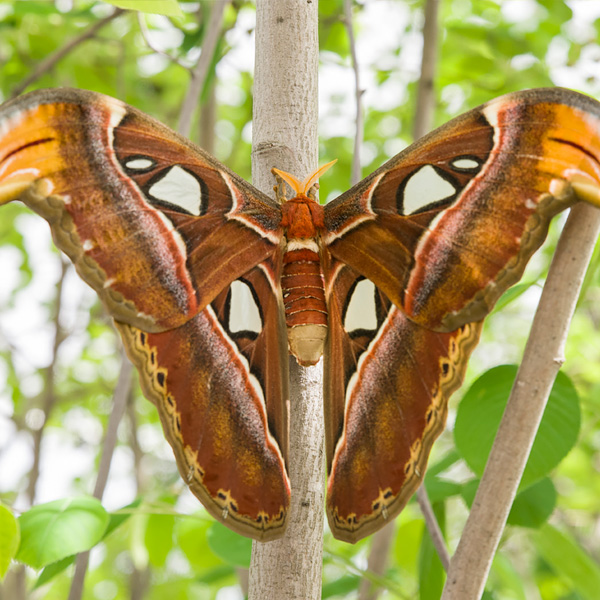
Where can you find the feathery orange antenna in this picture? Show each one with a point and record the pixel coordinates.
(301, 187)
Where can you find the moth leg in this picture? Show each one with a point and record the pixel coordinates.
(280, 188)
(312, 193)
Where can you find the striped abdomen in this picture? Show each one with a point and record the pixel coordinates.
(304, 301)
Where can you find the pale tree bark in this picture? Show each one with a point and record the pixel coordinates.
(285, 136)
(542, 359)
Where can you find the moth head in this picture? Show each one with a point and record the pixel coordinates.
(301, 188)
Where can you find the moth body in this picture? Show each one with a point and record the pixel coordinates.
(302, 278)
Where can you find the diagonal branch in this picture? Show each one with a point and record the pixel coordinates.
(120, 397)
(48, 63)
(200, 71)
(433, 527)
(542, 359)
(49, 392)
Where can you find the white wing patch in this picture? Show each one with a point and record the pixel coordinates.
(243, 311)
(361, 312)
(180, 188)
(425, 187)
(139, 164)
(465, 164)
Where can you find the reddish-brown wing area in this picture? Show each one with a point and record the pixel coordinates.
(222, 402)
(386, 397)
(112, 184)
(448, 262)
(65, 154)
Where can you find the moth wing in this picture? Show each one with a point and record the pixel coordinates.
(154, 224)
(445, 227)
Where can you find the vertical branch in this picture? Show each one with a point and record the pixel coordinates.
(382, 540)
(425, 91)
(285, 135)
(120, 397)
(358, 92)
(541, 361)
(208, 120)
(139, 578)
(200, 71)
(423, 123)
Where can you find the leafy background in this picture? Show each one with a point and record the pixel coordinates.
(59, 356)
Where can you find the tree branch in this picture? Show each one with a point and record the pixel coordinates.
(48, 394)
(425, 91)
(120, 397)
(146, 35)
(358, 92)
(48, 63)
(541, 361)
(433, 527)
(200, 71)
(424, 123)
(285, 135)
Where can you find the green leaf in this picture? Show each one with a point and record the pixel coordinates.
(118, 518)
(159, 538)
(569, 561)
(431, 572)
(229, 546)
(191, 536)
(510, 580)
(9, 539)
(169, 8)
(439, 489)
(53, 531)
(406, 544)
(481, 410)
(532, 507)
(340, 587)
(513, 293)
(53, 570)
(216, 574)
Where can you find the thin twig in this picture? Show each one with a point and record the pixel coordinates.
(120, 397)
(541, 361)
(48, 395)
(200, 71)
(48, 63)
(358, 92)
(146, 36)
(377, 562)
(433, 527)
(382, 540)
(423, 124)
(140, 577)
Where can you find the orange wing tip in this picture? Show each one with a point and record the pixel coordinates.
(13, 188)
(301, 187)
(586, 189)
